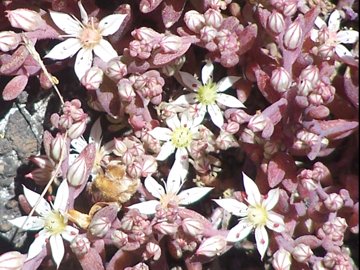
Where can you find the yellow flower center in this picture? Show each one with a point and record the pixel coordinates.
(90, 36)
(207, 93)
(167, 198)
(181, 137)
(257, 215)
(55, 222)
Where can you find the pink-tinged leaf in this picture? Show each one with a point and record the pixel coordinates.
(15, 61)
(109, 99)
(263, 15)
(47, 139)
(310, 240)
(280, 168)
(31, 66)
(317, 112)
(263, 82)
(276, 110)
(334, 129)
(91, 260)
(352, 92)
(14, 87)
(247, 38)
(160, 59)
(123, 259)
(89, 152)
(309, 19)
(12, 260)
(35, 262)
(172, 11)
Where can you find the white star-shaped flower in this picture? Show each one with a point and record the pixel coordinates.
(208, 94)
(330, 35)
(85, 37)
(257, 214)
(170, 193)
(52, 221)
(178, 137)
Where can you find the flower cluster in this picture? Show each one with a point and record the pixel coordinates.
(248, 109)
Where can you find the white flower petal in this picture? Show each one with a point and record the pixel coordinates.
(83, 62)
(37, 246)
(161, 133)
(105, 51)
(314, 35)
(83, 13)
(319, 22)
(252, 191)
(66, 23)
(174, 180)
(32, 197)
(57, 248)
(192, 195)
(32, 223)
(166, 150)
(69, 233)
(216, 115)
(189, 81)
(96, 133)
(110, 24)
(181, 164)
(262, 240)
(272, 199)
(154, 187)
(347, 36)
(334, 21)
(229, 101)
(226, 83)
(206, 72)
(78, 144)
(240, 231)
(147, 208)
(275, 222)
(199, 117)
(342, 51)
(173, 122)
(64, 49)
(62, 196)
(233, 206)
(186, 99)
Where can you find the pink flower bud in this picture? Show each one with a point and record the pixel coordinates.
(326, 51)
(213, 18)
(258, 122)
(290, 9)
(166, 228)
(323, 35)
(293, 36)
(334, 202)
(126, 90)
(119, 147)
(148, 165)
(92, 78)
(276, 22)
(25, 19)
(192, 226)
(134, 169)
(42, 161)
(304, 87)
(315, 99)
(309, 184)
(340, 224)
(80, 245)
(310, 73)
(40, 176)
(212, 246)
(207, 33)
(280, 79)
(76, 174)
(194, 20)
(119, 238)
(116, 69)
(281, 260)
(302, 253)
(330, 260)
(153, 251)
(146, 34)
(64, 122)
(232, 127)
(99, 227)
(170, 43)
(58, 147)
(77, 129)
(12, 260)
(9, 40)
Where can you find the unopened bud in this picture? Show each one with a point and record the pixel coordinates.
(282, 260)
(148, 165)
(280, 79)
(126, 90)
(334, 202)
(76, 174)
(212, 246)
(146, 34)
(25, 19)
(99, 227)
(116, 69)
(326, 51)
(310, 73)
(12, 260)
(302, 253)
(330, 260)
(166, 228)
(9, 40)
(153, 251)
(293, 36)
(192, 227)
(208, 33)
(290, 9)
(213, 18)
(304, 87)
(58, 147)
(80, 245)
(92, 78)
(194, 20)
(170, 43)
(276, 22)
(119, 238)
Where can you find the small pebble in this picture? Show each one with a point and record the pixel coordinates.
(11, 204)
(5, 227)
